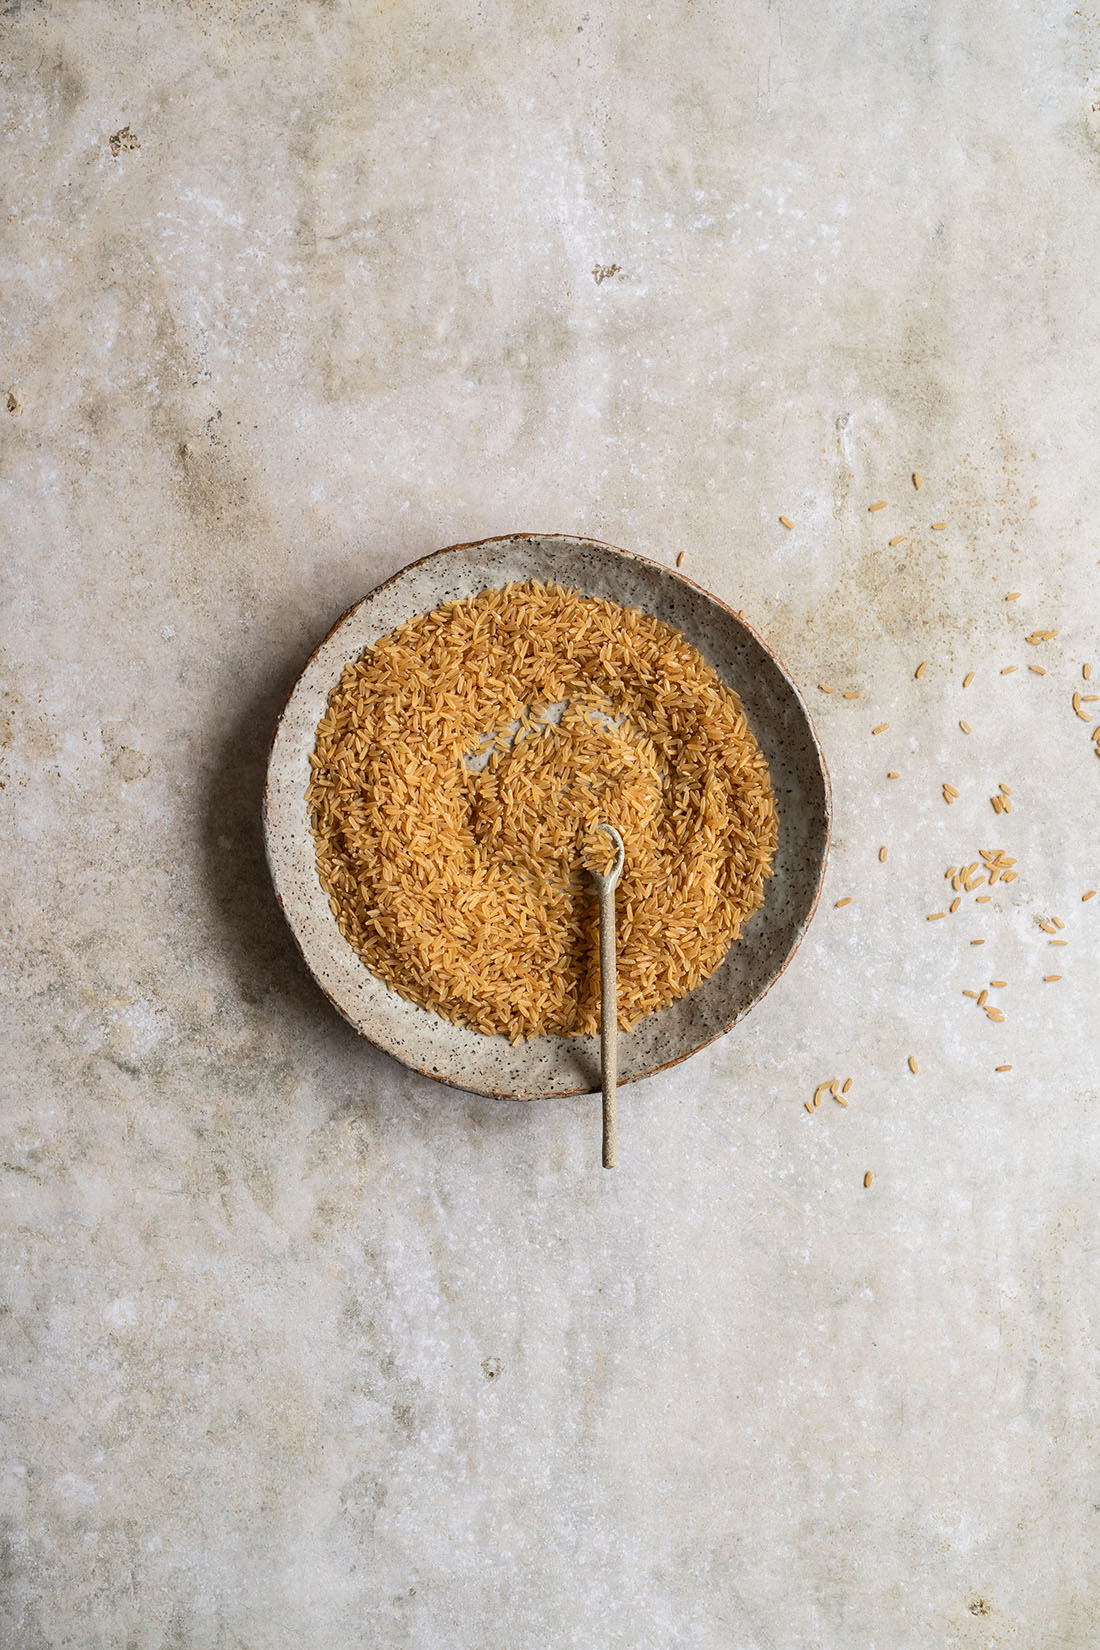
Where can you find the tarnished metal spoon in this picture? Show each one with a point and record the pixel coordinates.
(609, 1006)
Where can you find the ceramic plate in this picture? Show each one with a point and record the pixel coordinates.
(555, 1066)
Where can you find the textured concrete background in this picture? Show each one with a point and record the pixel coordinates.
(300, 1348)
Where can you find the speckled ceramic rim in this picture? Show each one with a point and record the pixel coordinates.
(555, 1067)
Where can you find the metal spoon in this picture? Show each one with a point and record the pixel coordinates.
(609, 1008)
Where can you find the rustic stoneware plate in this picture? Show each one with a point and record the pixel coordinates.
(555, 1066)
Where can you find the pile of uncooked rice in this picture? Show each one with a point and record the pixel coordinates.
(460, 768)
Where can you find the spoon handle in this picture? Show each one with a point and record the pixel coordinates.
(609, 1018)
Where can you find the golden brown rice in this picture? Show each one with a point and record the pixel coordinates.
(449, 806)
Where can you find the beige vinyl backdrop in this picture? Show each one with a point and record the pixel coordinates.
(301, 1348)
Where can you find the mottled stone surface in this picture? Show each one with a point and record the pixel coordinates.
(301, 1349)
